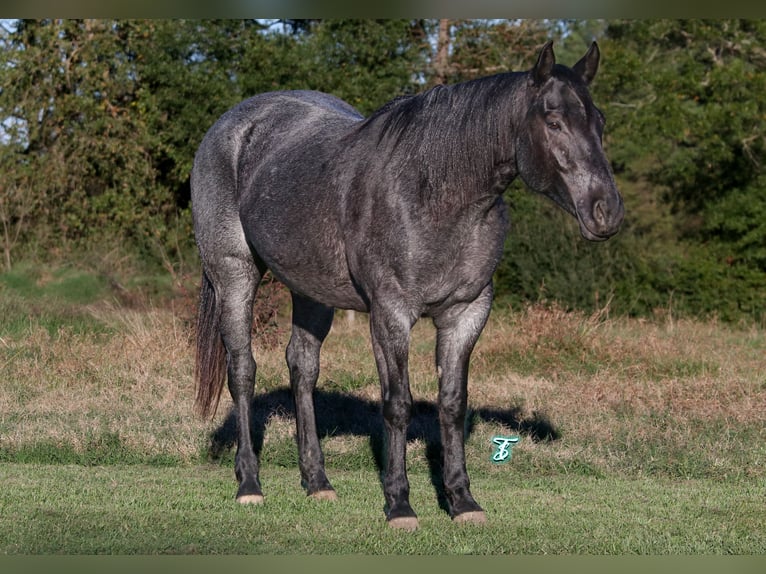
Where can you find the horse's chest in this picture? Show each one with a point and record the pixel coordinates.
(432, 263)
(469, 256)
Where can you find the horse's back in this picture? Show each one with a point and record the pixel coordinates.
(246, 136)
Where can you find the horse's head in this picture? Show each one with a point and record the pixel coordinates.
(559, 151)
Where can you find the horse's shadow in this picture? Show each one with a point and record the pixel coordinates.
(340, 413)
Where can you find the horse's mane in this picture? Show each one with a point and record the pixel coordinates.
(452, 135)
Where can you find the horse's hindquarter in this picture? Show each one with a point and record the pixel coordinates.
(290, 200)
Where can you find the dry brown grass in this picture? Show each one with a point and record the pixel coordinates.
(609, 384)
(616, 385)
(688, 368)
(136, 382)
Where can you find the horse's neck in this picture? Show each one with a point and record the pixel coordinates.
(472, 152)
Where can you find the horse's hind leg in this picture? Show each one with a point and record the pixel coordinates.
(311, 323)
(237, 281)
(458, 329)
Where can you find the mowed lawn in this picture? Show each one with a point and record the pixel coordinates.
(636, 437)
(53, 509)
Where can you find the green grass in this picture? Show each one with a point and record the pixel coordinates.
(105, 448)
(53, 300)
(65, 284)
(190, 510)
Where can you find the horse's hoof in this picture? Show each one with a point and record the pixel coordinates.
(408, 523)
(473, 517)
(250, 499)
(324, 495)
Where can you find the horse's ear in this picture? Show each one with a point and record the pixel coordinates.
(587, 67)
(544, 66)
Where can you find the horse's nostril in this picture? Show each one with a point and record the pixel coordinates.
(599, 212)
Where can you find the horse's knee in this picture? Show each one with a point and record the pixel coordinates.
(397, 411)
(452, 409)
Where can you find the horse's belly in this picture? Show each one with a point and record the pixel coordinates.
(321, 284)
(306, 255)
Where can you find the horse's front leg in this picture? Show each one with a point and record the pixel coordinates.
(458, 329)
(390, 330)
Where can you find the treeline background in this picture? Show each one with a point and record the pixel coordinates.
(100, 119)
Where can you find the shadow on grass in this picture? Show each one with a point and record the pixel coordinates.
(343, 414)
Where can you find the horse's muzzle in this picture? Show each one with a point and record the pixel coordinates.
(604, 218)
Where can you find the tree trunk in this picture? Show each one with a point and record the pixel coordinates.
(441, 60)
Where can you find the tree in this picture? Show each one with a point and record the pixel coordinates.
(483, 47)
(81, 152)
(186, 73)
(694, 122)
(686, 106)
(103, 117)
(101, 120)
(365, 62)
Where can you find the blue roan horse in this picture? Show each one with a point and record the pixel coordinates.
(399, 215)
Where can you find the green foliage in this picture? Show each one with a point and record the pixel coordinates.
(76, 146)
(187, 74)
(546, 259)
(698, 282)
(738, 221)
(696, 104)
(483, 47)
(103, 117)
(636, 273)
(101, 120)
(365, 62)
(687, 113)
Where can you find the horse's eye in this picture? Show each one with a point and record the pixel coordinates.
(555, 126)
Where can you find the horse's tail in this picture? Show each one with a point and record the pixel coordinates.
(210, 365)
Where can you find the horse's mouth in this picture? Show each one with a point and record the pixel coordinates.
(598, 219)
(590, 236)
(596, 236)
